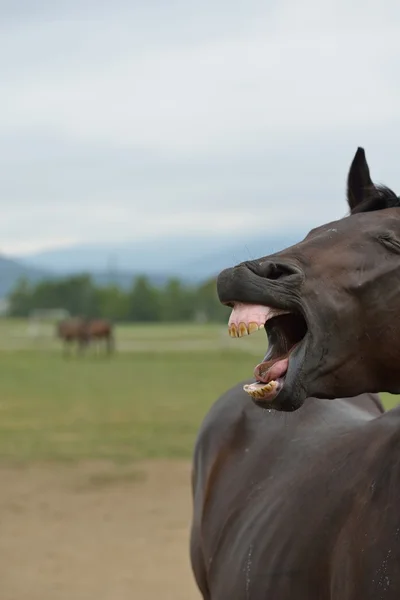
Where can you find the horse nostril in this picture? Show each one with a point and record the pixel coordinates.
(276, 271)
(273, 270)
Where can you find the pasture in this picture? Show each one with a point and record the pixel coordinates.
(95, 458)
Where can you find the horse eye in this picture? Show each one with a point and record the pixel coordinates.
(389, 240)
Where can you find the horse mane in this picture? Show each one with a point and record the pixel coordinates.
(378, 197)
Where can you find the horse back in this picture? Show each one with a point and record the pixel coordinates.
(256, 474)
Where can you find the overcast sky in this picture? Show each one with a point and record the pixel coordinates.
(125, 119)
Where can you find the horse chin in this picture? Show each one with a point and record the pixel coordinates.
(277, 381)
(287, 393)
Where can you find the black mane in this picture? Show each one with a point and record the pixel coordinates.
(379, 197)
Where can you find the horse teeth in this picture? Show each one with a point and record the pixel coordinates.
(253, 327)
(260, 392)
(233, 332)
(237, 331)
(243, 330)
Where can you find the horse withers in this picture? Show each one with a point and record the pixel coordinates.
(296, 505)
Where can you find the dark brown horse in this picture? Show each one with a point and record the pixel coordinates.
(297, 505)
(83, 332)
(304, 504)
(330, 304)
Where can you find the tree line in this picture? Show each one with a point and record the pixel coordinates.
(144, 302)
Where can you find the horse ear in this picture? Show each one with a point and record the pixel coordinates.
(359, 182)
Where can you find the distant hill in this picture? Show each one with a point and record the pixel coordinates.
(160, 255)
(11, 271)
(192, 258)
(212, 264)
(122, 280)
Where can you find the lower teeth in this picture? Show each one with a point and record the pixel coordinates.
(256, 391)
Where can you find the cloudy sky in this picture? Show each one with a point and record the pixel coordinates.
(125, 120)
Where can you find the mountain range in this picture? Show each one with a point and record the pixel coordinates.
(191, 258)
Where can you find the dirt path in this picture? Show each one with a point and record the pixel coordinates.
(95, 532)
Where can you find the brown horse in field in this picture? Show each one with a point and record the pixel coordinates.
(99, 330)
(303, 504)
(73, 331)
(83, 332)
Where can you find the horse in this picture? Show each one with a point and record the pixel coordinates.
(329, 304)
(295, 488)
(73, 330)
(101, 329)
(84, 331)
(296, 505)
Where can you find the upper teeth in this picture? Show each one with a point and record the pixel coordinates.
(247, 318)
(242, 329)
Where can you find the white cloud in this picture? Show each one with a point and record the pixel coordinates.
(21, 248)
(213, 93)
(131, 121)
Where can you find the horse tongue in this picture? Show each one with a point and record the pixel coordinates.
(271, 370)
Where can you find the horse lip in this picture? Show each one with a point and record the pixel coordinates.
(294, 391)
(243, 284)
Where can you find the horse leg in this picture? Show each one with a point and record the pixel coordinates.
(66, 348)
(82, 343)
(109, 344)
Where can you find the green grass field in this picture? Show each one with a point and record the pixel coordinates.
(146, 401)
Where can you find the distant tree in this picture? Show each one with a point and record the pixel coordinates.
(20, 299)
(208, 304)
(144, 301)
(176, 302)
(77, 294)
(113, 303)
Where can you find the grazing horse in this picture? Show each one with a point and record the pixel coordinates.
(303, 504)
(73, 330)
(83, 331)
(101, 329)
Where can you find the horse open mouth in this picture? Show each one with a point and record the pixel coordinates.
(285, 331)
